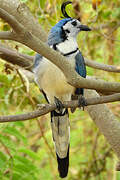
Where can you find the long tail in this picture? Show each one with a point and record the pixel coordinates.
(61, 135)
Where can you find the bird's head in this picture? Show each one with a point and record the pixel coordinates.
(73, 27)
(65, 28)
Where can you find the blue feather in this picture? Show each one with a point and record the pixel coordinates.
(80, 65)
(37, 60)
(80, 69)
(56, 34)
(60, 24)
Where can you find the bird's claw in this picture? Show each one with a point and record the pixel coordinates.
(82, 102)
(58, 104)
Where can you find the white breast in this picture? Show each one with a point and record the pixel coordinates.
(51, 79)
(53, 82)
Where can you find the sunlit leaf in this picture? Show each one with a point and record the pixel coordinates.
(29, 153)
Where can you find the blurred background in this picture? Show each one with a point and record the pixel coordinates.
(26, 148)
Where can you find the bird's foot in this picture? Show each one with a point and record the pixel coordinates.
(82, 101)
(59, 105)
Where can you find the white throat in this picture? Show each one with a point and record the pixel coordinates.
(67, 46)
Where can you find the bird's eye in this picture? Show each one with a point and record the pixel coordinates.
(74, 23)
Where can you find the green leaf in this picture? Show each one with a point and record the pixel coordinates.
(4, 79)
(42, 3)
(116, 13)
(13, 131)
(23, 1)
(107, 14)
(8, 142)
(24, 160)
(118, 175)
(19, 123)
(24, 168)
(3, 159)
(2, 93)
(29, 153)
(16, 175)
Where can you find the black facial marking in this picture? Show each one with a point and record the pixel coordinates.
(63, 35)
(67, 31)
(54, 46)
(74, 23)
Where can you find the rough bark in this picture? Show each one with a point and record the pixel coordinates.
(105, 121)
(23, 15)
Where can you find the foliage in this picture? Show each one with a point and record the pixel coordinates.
(26, 148)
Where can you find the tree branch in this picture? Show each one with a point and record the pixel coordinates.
(46, 108)
(107, 25)
(6, 35)
(34, 38)
(17, 27)
(25, 37)
(104, 67)
(73, 78)
(23, 60)
(105, 121)
(22, 14)
(14, 57)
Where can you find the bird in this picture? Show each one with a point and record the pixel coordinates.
(53, 83)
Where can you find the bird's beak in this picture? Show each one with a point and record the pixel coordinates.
(84, 28)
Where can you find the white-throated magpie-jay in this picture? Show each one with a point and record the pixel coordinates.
(53, 83)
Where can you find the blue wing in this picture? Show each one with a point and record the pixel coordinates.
(80, 69)
(37, 60)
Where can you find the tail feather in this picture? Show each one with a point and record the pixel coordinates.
(63, 165)
(61, 132)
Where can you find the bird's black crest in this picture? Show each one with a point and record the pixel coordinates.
(63, 9)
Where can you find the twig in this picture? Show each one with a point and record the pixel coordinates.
(50, 107)
(15, 57)
(104, 67)
(101, 161)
